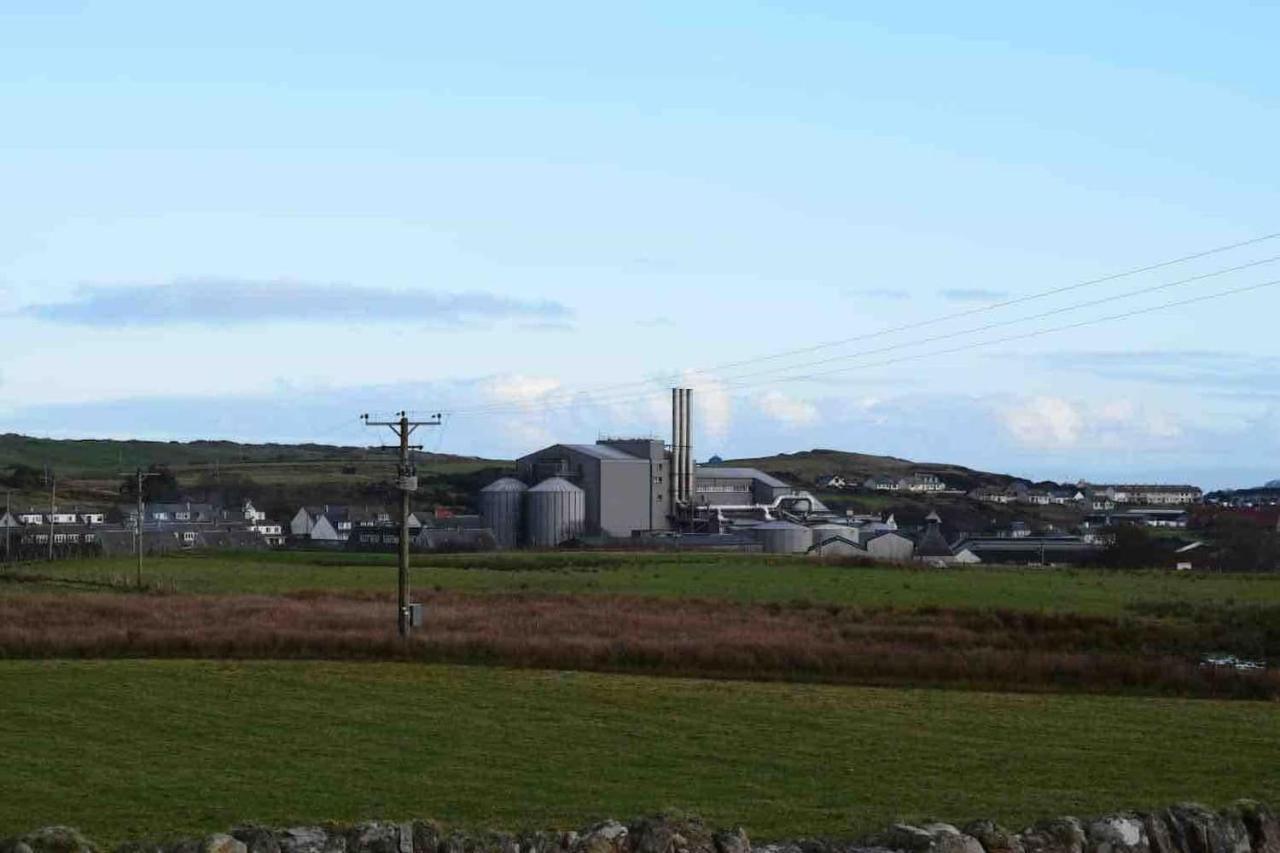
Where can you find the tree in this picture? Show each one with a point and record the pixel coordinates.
(24, 478)
(1133, 548)
(162, 487)
(1244, 545)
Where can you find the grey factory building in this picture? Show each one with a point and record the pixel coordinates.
(650, 492)
(627, 486)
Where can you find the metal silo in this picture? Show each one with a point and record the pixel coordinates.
(555, 512)
(783, 537)
(502, 508)
(822, 532)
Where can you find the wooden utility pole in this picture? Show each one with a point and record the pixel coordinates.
(407, 481)
(137, 528)
(53, 508)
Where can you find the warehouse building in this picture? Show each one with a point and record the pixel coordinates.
(629, 487)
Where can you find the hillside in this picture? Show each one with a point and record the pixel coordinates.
(960, 514)
(805, 467)
(277, 477)
(281, 477)
(107, 457)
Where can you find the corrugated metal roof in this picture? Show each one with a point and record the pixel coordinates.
(603, 451)
(555, 484)
(727, 473)
(506, 484)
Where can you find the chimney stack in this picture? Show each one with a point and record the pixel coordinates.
(682, 465)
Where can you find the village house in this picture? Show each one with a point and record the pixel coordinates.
(918, 482)
(1145, 494)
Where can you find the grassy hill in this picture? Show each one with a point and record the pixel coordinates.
(959, 513)
(94, 458)
(280, 476)
(274, 476)
(803, 468)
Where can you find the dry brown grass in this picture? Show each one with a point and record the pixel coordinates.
(931, 646)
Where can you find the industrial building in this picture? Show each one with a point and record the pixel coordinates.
(646, 490)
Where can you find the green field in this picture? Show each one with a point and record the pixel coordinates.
(126, 748)
(733, 577)
(136, 748)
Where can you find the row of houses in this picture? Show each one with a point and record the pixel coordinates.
(185, 525)
(117, 540)
(918, 482)
(1098, 498)
(375, 527)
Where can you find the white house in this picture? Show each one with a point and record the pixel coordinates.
(881, 484)
(922, 482)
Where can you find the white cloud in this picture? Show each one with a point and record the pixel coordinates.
(520, 389)
(1053, 423)
(237, 302)
(1044, 422)
(787, 410)
(712, 406)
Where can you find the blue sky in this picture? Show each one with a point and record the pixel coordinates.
(255, 221)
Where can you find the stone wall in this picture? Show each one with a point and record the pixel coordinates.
(1246, 827)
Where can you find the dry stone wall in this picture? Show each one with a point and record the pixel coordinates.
(1246, 827)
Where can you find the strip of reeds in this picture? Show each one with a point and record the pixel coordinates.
(1004, 650)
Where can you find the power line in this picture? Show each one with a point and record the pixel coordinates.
(657, 394)
(995, 306)
(1151, 309)
(733, 380)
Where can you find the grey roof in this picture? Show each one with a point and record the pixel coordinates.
(505, 484)
(729, 473)
(603, 451)
(779, 525)
(932, 544)
(555, 484)
(179, 506)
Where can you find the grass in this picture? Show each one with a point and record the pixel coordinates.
(742, 578)
(994, 650)
(142, 748)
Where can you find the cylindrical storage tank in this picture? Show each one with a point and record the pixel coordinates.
(822, 532)
(783, 537)
(555, 511)
(502, 508)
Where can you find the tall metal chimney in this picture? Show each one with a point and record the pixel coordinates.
(682, 465)
(677, 425)
(688, 445)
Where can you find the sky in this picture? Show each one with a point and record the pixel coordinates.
(256, 221)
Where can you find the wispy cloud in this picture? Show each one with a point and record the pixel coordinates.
(655, 322)
(1216, 371)
(234, 302)
(891, 293)
(787, 410)
(973, 294)
(552, 326)
(1054, 423)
